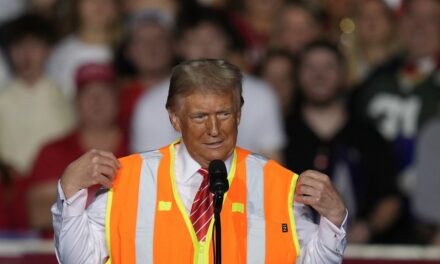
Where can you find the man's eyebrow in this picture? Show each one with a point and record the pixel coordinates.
(198, 113)
(229, 109)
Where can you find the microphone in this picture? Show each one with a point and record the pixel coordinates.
(218, 185)
(218, 182)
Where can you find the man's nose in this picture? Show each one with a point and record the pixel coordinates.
(213, 126)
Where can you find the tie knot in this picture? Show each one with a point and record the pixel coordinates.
(203, 172)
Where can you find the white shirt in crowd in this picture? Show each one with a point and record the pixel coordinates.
(69, 55)
(260, 128)
(30, 116)
(80, 232)
(427, 182)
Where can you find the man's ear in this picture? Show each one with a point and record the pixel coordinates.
(238, 117)
(175, 120)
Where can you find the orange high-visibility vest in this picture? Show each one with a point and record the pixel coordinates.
(147, 222)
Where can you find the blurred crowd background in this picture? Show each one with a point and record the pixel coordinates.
(347, 87)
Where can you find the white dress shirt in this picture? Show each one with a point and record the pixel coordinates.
(80, 231)
(189, 180)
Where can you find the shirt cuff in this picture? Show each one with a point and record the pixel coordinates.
(75, 205)
(332, 236)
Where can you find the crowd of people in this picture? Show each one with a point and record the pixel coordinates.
(348, 88)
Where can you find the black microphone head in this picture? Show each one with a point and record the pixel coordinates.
(218, 177)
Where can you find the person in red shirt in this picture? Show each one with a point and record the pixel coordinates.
(98, 128)
(13, 220)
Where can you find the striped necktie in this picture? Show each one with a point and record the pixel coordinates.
(202, 208)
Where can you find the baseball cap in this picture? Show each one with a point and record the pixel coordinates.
(94, 72)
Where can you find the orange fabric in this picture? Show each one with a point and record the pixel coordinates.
(174, 238)
(171, 230)
(124, 210)
(277, 215)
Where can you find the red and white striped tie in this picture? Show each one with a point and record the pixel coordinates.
(202, 208)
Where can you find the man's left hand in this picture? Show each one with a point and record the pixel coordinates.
(316, 190)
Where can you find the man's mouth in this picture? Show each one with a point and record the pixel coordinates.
(214, 145)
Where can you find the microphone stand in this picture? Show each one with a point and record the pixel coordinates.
(218, 202)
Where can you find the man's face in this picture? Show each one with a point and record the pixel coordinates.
(150, 49)
(278, 73)
(97, 105)
(421, 27)
(297, 29)
(208, 123)
(320, 76)
(204, 41)
(29, 56)
(374, 27)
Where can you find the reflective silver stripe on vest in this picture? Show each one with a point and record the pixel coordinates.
(256, 227)
(147, 206)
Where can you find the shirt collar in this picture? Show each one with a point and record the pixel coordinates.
(186, 166)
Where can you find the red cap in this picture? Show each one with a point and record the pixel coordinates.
(94, 72)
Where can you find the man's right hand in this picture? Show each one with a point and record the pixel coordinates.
(94, 167)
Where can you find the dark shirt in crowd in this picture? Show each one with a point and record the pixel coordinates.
(398, 99)
(356, 159)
